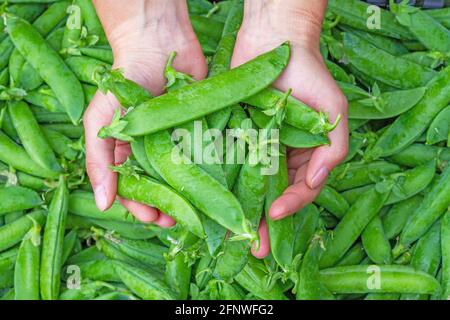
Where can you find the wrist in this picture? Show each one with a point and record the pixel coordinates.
(299, 21)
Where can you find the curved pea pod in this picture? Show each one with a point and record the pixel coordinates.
(85, 68)
(439, 129)
(378, 279)
(153, 193)
(67, 129)
(207, 27)
(207, 96)
(410, 125)
(396, 218)
(332, 201)
(70, 241)
(253, 278)
(426, 257)
(411, 182)
(44, 116)
(424, 58)
(434, 205)
(354, 256)
(13, 216)
(289, 135)
(418, 154)
(33, 139)
(376, 243)
(15, 156)
(445, 247)
(138, 149)
(354, 174)
(338, 73)
(232, 259)
(433, 35)
(102, 54)
(353, 92)
(48, 64)
(52, 245)
(26, 273)
(207, 194)
(356, 14)
(60, 144)
(281, 232)
(305, 222)
(143, 283)
(91, 20)
(86, 255)
(309, 286)
(389, 106)
(54, 39)
(18, 198)
(390, 45)
(4, 77)
(45, 98)
(12, 233)
(98, 270)
(354, 222)
(8, 260)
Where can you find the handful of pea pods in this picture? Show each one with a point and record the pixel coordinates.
(379, 230)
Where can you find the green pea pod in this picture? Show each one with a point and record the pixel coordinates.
(332, 201)
(298, 114)
(354, 222)
(355, 174)
(378, 279)
(338, 73)
(396, 71)
(68, 246)
(138, 149)
(48, 64)
(67, 129)
(26, 273)
(309, 286)
(45, 116)
(8, 260)
(253, 279)
(91, 20)
(357, 14)
(376, 243)
(143, 283)
(18, 198)
(439, 129)
(45, 98)
(353, 92)
(87, 291)
(411, 182)
(60, 144)
(396, 218)
(199, 7)
(72, 30)
(207, 27)
(427, 30)
(426, 257)
(354, 256)
(101, 54)
(305, 226)
(225, 209)
(207, 96)
(389, 104)
(233, 259)
(53, 240)
(33, 139)
(15, 156)
(434, 204)
(445, 246)
(289, 135)
(85, 68)
(54, 39)
(390, 45)
(424, 58)
(116, 296)
(382, 296)
(281, 232)
(98, 270)
(13, 216)
(153, 193)
(441, 15)
(12, 233)
(4, 77)
(86, 255)
(410, 125)
(419, 154)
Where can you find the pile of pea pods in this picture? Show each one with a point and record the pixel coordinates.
(379, 230)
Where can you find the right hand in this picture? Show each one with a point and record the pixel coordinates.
(142, 35)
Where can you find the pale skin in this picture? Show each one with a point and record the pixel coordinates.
(143, 33)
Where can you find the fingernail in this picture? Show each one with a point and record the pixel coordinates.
(100, 198)
(319, 178)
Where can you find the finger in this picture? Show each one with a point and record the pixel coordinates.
(264, 244)
(142, 212)
(294, 198)
(299, 157)
(164, 221)
(121, 152)
(100, 152)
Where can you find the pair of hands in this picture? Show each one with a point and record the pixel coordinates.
(143, 34)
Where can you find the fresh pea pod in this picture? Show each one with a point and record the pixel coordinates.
(395, 71)
(98, 270)
(53, 240)
(353, 92)
(18, 198)
(12, 233)
(207, 96)
(445, 246)
(332, 201)
(441, 15)
(68, 246)
(376, 243)
(44, 116)
(396, 218)
(67, 129)
(60, 144)
(390, 45)
(439, 129)
(33, 139)
(354, 222)
(207, 27)
(354, 256)
(91, 20)
(143, 283)
(338, 73)
(102, 54)
(13, 216)
(378, 279)
(85, 68)
(153, 193)
(410, 125)
(49, 65)
(86, 255)
(306, 222)
(425, 58)
(426, 256)
(388, 106)
(45, 98)
(434, 204)
(26, 273)
(138, 149)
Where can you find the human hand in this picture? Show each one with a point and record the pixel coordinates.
(142, 34)
(266, 25)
